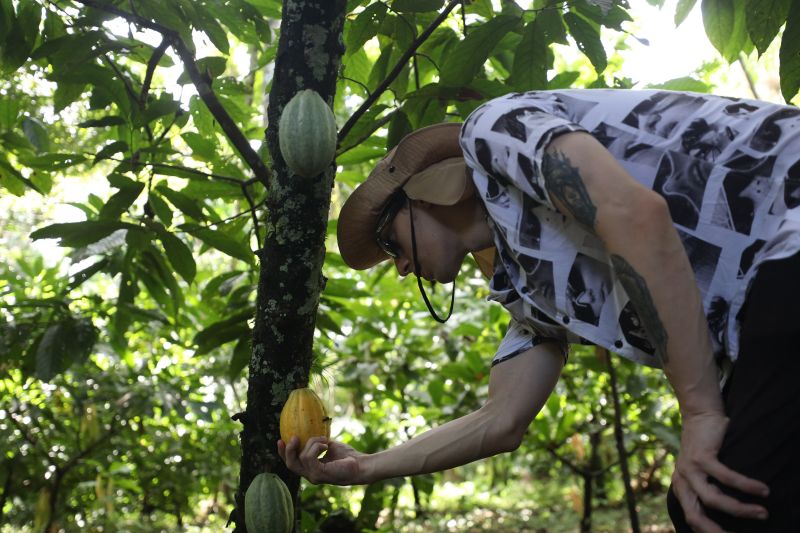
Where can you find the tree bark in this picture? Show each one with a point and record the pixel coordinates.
(290, 277)
(623, 453)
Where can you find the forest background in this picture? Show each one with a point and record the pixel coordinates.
(163, 281)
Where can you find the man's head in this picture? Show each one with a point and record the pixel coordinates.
(424, 174)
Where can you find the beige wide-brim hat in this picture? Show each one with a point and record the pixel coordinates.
(428, 165)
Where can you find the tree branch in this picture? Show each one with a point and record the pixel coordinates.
(201, 83)
(158, 53)
(397, 69)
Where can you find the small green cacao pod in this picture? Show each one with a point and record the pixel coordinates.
(268, 505)
(307, 134)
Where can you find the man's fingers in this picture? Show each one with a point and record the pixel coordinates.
(733, 479)
(692, 510)
(712, 497)
(282, 450)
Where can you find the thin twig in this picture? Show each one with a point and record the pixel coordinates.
(131, 93)
(226, 220)
(378, 124)
(189, 170)
(253, 211)
(396, 70)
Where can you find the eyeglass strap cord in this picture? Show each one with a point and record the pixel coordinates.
(419, 280)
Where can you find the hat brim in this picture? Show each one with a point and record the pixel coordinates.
(414, 154)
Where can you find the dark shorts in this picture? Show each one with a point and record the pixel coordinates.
(762, 400)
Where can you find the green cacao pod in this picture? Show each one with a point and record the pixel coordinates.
(268, 505)
(307, 134)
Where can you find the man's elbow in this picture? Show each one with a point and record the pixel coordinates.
(507, 434)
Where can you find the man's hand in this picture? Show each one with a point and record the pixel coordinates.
(339, 466)
(701, 439)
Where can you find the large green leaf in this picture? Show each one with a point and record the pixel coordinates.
(529, 70)
(62, 344)
(122, 200)
(179, 254)
(417, 6)
(222, 241)
(79, 234)
(36, 132)
(21, 37)
(764, 20)
(724, 21)
(588, 40)
(186, 204)
(790, 54)
(240, 357)
(222, 332)
(466, 60)
(682, 10)
(365, 26)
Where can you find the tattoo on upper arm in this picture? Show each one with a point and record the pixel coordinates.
(564, 182)
(643, 304)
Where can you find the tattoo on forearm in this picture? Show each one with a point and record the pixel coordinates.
(643, 304)
(565, 183)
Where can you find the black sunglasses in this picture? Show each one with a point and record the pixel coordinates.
(392, 208)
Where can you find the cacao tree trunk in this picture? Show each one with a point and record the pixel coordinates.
(290, 277)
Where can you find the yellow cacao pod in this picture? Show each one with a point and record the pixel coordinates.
(304, 415)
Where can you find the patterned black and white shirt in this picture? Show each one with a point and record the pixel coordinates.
(729, 169)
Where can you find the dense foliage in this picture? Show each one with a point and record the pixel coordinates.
(132, 132)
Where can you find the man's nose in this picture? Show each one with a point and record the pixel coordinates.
(402, 265)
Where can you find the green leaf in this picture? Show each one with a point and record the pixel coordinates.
(79, 234)
(467, 59)
(214, 66)
(399, 127)
(552, 25)
(78, 278)
(21, 37)
(588, 40)
(111, 120)
(529, 70)
(724, 21)
(202, 189)
(790, 54)
(563, 80)
(66, 93)
(111, 149)
(122, 200)
(52, 161)
(128, 289)
(222, 241)
(683, 84)
(36, 132)
(365, 26)
(160, 207)
(11, 179)
(240, 358)
(153, 262)
(62, 344)
(204, 21)
(417, 6)
(203, 149)
(222, 332)
(181, 201)
(764, 20)
(682, 10)
(179, 254)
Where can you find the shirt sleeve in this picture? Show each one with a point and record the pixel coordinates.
(507, 141)
(519, 339)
